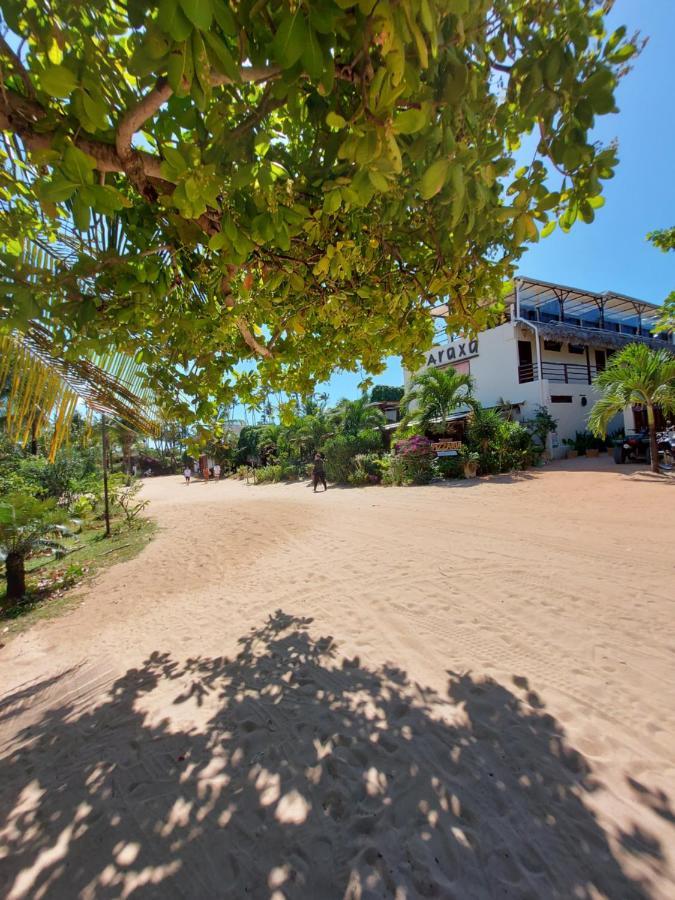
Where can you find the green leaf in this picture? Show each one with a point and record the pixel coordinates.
(434, 178)
(81, 213)
(224, 17)
(290, 39)
(175, 159)
(623, 53)
(378, 180)
(549, 228)
(78, 166)
(225, 61)
(179, 69)
(58, 81)
(335, 120)
(96, 109)
(199, 12)
(171, 20)
(410, 121)
(332, 202)
(312, 57)
(56, 190)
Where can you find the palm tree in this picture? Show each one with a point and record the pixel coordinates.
(352, 416)
(26, 525)
(484, 425)
(635, 375)
(311, 432)
(433, 395)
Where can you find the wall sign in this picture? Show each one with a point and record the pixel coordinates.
(453, 352)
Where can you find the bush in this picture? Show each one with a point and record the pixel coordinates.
(291, 472)
(394, 470)
(418, 459)
(448, 467)
(341, 451)
(269, 474)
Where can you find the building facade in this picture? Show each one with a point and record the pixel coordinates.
(548, 351)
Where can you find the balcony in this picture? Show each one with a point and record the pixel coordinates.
(558, 373)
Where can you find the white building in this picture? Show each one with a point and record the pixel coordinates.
(554, 341)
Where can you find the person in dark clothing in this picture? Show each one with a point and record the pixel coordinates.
(319, 472)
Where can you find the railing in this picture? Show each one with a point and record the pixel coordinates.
(527, 373)
(558, 372)
(630, 332)
(568, 373)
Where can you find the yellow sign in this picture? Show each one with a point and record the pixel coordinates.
(440, 446)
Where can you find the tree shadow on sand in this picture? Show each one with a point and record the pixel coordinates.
(308, 777)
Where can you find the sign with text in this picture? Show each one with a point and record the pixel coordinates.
(446, 448)
(452, 352)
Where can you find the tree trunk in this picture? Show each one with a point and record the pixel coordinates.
(651, 421)
(16, 576)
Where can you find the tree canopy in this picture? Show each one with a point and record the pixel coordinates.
(287, 183)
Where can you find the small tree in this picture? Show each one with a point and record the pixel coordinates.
(433, 395)
(26, 525)
(352, 416)
(635, 375)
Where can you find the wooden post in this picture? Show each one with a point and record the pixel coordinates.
(588, 364)
(106, 499)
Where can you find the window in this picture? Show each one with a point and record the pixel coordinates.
(576, 348)
(561, 398)
(552, 345)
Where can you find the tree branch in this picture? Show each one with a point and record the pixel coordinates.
(18, 65)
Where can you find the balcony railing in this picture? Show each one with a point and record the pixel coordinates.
(558, 372)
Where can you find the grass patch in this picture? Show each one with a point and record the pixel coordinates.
(51, 581)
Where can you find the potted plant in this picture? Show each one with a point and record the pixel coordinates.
(470, 461)
(572, 451)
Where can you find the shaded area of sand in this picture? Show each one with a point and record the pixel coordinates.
(438, 692)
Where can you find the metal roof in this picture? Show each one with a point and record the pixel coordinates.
(535, 293)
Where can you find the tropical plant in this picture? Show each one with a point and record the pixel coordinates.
(635, 375)
(353, 416)
(541, 425)
(665, 241)
(432, 396)
(26, 525)
(293, 182)
(483, 426)
(342, 449)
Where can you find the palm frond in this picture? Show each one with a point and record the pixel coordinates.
(44, 387)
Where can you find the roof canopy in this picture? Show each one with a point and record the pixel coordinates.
(584, 304)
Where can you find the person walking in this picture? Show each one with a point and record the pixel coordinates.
(319, 472)
(216, 472)
(187, 472)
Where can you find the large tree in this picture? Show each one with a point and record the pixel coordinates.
(287, 181)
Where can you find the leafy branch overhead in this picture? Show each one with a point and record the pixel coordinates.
(296, 182)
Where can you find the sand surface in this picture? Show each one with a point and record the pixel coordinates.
(450, 691)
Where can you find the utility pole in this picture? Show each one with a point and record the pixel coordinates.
(104, 436)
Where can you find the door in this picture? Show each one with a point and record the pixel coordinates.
(600, 360)
(525, 368)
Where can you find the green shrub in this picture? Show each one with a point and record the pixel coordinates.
(269, 474)
(340, 452)
(448, 467)
(394, 471)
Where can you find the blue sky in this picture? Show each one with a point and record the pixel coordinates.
(612, 253)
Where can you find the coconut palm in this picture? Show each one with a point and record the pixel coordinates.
(26, 525)
(433, 395)
(352, 416)
(484, 425)
(635, 375)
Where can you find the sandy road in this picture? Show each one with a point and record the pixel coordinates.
(450, 691)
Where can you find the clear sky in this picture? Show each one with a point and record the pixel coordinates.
(612, 253)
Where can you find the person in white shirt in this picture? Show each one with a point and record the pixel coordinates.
(216, 472)
(187, 471)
